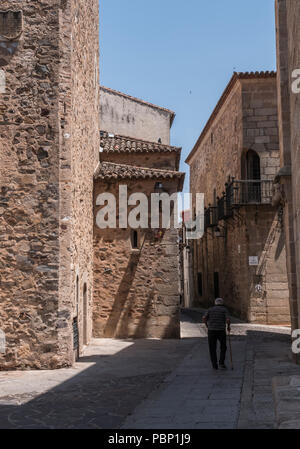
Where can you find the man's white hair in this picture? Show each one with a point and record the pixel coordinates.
(219, 302)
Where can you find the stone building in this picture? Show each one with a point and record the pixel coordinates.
(129, 116)
(242, 254)
(136, 271)
(288, 177)
(49, 150)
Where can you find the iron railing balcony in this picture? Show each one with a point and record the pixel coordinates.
(250, 192)
(238, 193)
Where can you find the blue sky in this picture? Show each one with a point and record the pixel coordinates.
(181, 54)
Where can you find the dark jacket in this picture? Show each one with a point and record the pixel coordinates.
(216, 318)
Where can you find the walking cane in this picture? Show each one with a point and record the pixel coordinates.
(230, 349)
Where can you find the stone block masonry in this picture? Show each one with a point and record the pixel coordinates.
(136, 271)
(136, 292)
(240, 144)
(129, 116)
(137, 288)
(288, 60)
(49, 143)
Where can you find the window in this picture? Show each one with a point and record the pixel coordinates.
(134, 239)
(236, 124)
(76, 336)
(200, 284)
(252, 191)
(216, 285)
(85, 315)
(253, 165)
(77, 294)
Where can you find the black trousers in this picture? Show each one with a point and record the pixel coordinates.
(213, 337)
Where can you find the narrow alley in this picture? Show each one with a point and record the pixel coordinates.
(154, 384)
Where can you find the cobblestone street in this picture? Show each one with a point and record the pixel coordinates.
(154, 384)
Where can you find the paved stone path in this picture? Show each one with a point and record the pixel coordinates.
(194, 396)
(100, 391)
(154, 384)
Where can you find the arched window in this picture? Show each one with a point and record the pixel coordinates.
(251, 191)
(252, 165)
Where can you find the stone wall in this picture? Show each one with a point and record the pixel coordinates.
(128, 116)
(210, 166)
(29, 178)
(245, 120)
(253, 232)
(293, 14)
(44, 144)
(260, 123)
(288, 59)
(136, 291)
(82, 123)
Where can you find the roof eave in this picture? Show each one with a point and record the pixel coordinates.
(139, 100)
(170, 148)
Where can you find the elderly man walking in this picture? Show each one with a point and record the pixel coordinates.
(216, 319)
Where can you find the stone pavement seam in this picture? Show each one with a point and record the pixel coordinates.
(246, 405)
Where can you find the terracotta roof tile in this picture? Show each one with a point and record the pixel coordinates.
(111, 171)
(247, 75)
(123, 144)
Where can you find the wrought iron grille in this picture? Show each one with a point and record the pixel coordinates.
(238, 193)
(251, 192)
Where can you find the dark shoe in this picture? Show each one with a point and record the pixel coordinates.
(215, 367)
(223, 367)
